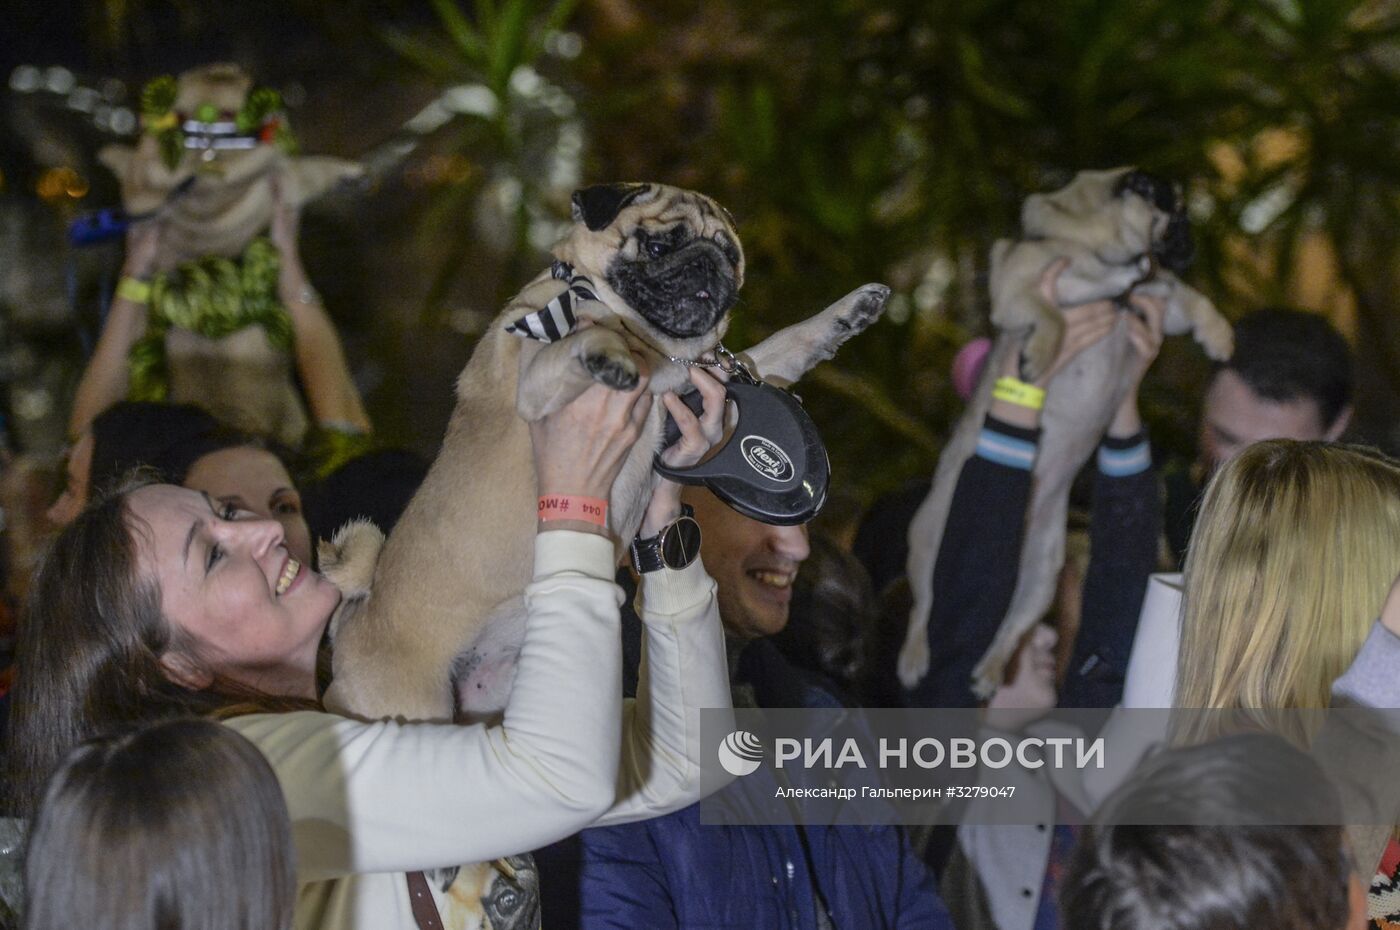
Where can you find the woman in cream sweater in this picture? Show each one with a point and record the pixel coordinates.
(158, 602)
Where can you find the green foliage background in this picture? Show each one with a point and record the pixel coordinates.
(893, 141)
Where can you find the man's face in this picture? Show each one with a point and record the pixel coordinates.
(1234, 416)
(753, 565)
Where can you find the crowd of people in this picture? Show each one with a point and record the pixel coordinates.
(173, 764)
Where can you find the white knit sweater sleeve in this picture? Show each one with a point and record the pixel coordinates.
(683, 671)
(392, 797)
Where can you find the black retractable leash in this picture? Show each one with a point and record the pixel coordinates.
(774, 467)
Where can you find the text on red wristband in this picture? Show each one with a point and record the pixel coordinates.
(571, 507)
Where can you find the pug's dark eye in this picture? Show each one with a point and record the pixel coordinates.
(657, 247)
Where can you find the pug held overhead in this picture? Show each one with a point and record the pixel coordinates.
(1123, 232)
(431, 626)
(213, 161)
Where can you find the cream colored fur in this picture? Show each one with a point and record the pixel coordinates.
(445, 612)
(1102, 235)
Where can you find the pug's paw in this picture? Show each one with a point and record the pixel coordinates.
(1039, 351)
(615, 369)
(1216, 336)
(866, 303)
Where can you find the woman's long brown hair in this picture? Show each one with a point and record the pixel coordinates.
(89, 651)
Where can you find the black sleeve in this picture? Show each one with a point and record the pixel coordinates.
(975, 573)
(882, 539)
(1123, 538)
(1181, 500)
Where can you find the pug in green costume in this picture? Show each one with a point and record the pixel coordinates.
(215, 167)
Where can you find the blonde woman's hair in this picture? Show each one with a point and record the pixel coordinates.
(1291, 559)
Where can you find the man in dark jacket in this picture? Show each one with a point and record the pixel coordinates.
(675, 872)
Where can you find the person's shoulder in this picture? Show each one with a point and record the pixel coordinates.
(266, 726)
(777, 682)
(657, 829)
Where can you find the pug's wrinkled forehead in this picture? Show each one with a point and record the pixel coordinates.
(644, 221)
(1119, 214)
(1086, 194)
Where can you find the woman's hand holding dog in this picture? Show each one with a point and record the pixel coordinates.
(698, 436)
(580, 448)
(1085, 325)
(1145, 336)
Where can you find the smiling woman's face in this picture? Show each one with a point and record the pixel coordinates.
(254, 480)
(243, 606)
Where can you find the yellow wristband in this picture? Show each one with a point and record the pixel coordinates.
(1019, 393)
(134, 290)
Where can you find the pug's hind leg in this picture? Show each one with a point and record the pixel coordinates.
(557, 372)
(790, 353)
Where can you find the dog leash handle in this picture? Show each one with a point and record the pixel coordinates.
(773, 468)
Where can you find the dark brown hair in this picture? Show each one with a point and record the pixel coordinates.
(1197, 839)
(1287, 355)
(89, 650)
(178, 826)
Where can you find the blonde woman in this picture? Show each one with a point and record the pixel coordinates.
(1290, 565)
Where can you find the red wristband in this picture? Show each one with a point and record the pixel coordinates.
(571, 507)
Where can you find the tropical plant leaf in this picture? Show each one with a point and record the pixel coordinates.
(432, 57)
(508, 42)
(462, 33)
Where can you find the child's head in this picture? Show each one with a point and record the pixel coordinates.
(1188, 844)
(177, 825)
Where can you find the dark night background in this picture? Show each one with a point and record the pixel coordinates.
(854, 141)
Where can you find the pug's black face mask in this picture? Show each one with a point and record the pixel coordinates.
(682, 288)
(1175, 249)
(773, 468)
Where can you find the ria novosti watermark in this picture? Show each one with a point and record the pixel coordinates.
(992, 752)
(741, 752)
(860, 766)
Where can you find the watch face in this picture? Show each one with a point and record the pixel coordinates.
(681, 543)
